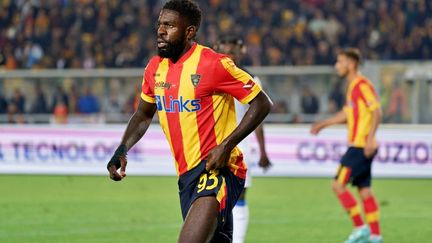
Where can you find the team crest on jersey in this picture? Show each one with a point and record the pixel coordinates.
(195, 78)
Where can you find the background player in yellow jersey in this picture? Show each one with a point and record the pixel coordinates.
(192, 88)
(362, 113)
(234, 47)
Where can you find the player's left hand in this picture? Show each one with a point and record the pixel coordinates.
(118, 161)
(264, 162)
(218, 157)
(369, 150)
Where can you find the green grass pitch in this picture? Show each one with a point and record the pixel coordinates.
(146, 209)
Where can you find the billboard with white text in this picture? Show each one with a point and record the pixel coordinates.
(405, 151)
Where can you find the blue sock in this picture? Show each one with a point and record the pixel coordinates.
(241, 203)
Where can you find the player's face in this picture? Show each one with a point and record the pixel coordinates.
(171, 34)
(342, 66)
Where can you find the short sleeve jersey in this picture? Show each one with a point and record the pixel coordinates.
(195, 103)
(361, 101)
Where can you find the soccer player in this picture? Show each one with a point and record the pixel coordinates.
(362, 113)
(192, 88)
(234, 47)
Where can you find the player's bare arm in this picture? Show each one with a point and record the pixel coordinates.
(136, 128)
(338, 118)
(370, 146)
(264, 161)
(259, 107)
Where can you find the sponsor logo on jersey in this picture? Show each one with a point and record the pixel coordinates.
(162, 85)
(169, 104)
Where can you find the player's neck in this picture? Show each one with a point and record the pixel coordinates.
(352, 76)
(185, 50)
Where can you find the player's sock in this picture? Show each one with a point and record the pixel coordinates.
(241, 220)
(350, 204)
(372, 215)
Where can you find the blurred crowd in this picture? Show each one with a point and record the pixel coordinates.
(113, 33)
(87, 34)
(83, 100)
(63, 103)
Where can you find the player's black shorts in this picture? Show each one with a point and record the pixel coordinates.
(222, 184)
(355, 168)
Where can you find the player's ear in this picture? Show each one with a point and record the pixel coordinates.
(191, 32)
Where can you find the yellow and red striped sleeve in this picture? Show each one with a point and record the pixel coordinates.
(369, 96)
(235, 81)
(147, 86)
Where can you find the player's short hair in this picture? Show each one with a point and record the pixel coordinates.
(187, 9)
(352, 53)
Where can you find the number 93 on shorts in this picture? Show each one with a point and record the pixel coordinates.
(198, 182)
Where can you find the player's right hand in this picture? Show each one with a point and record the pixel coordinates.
(218, 157)
(316, 128)
(118, 160)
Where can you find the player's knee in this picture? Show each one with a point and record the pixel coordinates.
(337, 187)
(365, 192)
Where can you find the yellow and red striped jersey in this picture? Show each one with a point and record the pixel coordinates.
(194, 99)
(361, 101)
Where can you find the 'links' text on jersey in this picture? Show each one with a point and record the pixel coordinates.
(177, 105)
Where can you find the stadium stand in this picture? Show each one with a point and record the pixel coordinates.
(95, 34)
(87, 35)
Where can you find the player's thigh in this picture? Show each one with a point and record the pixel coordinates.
(187, 187)
(233, 188)
(224, 187)
(201, 220)
(352, 166)
(363, 176)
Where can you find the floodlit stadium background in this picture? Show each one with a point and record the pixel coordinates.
(70, 73)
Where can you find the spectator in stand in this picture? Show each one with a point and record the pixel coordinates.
(112, 104)
(13, 114)
(309, 101)
(397, 109)
(97, 34)
(60, 113)
(17, 102)
(88, 102)
(133, 101)
(39, 105)
(73, 97)
(59, 96)
(3, 104)
(2, 59)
